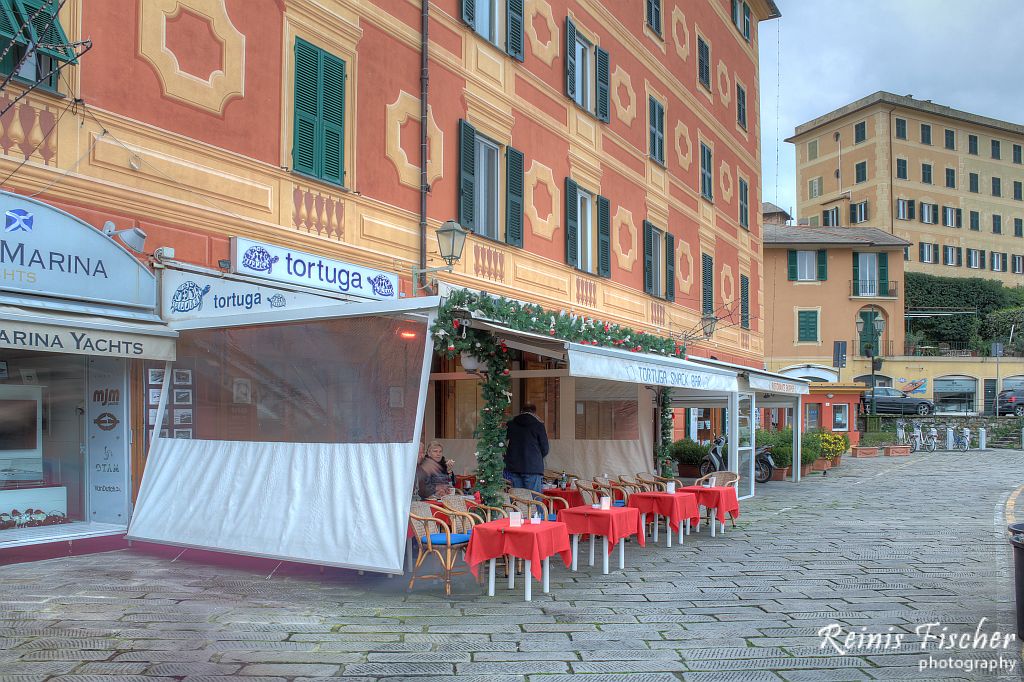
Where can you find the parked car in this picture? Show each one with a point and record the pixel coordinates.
(1011, 402)
(894, 401)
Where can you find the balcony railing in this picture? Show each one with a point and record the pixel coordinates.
(872, 288)
(857, 350)
(956, 349)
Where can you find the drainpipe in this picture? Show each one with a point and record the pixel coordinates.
(424, 93)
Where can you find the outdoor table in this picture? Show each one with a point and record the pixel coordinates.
(721, 498)
(572, 496)
(460, 482)
(614, 525)
(533, 543)
(679, 507)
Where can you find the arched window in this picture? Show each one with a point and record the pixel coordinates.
(955, 394)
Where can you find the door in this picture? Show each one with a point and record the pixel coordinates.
(867, 273)
(870, 336)
(990, 396)
(745, 445)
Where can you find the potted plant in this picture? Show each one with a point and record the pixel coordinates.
(782, 454)
(833, 447)
(688, 455)
(869, 442)
(810, 450)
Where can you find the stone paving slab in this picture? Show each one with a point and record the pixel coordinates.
(870, 548)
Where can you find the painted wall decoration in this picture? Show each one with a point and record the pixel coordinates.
(912, 386)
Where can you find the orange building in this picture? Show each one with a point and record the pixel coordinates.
(605, 156)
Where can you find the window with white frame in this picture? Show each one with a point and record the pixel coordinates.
(904, 209)
(807, 266)
(814, 188)
(949, 255)
(1018, 265)
(488, 187)
(928, 254)
(657, 262)
(998, 262)
(744, 204)
(583, 92)
(703, 62)
(587, 72)
(859, 212)
(974, 257)
(585, 231)
(707, 185)
(812, 150)
(741, 18)
(485, 18)
(949, 216)
(928, 214)
(840, 417)
(830, 218)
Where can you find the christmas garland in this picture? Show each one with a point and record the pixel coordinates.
(664, 452)
(452, 338)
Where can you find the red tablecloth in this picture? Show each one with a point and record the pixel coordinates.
(460, 481)
(615, 523)
(570, 495)
(530, 541)
(677, 507)
(722, 498)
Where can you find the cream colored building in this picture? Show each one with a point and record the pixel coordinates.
(948, 181)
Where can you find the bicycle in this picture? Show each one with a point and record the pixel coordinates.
(931, 441)
(916, 438)
(962, 442)
(901, 433)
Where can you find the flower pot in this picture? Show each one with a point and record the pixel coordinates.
(780, 474)
(822, 464)
(689, 470)
(805, 470)
(863, 451)
(897, 450)
(837, 461)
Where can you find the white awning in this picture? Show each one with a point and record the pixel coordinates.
(613, 364)
(57, 332)
(762, 380)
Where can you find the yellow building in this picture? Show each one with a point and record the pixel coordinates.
(814, 297)
(949, 182)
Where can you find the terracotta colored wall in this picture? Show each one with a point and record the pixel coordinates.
(116, 78)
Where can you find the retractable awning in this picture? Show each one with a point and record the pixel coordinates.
(762, 380)
(61, 332)
(619, 365)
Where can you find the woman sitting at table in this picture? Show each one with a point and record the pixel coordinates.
(433, 474)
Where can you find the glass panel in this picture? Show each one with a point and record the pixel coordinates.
(334, 381)
(806, 266)
(487, 188)
(868, 273)
(485, 19)
(42, 440)
(586, 240)
(583, 74)
(745, 443)
(544, 393)
(658, 267)
(840, 417)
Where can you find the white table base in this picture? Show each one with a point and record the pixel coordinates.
(527, 577)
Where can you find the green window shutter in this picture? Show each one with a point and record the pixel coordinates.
(959, 217)
(883, 274)
(652, 132)
(910, 209)
(603, 73)
(856, 274)
(332, 125)
(744, 302)
(791, 265)
(469, 12)
(648, 260)
(514, 29)
(822, 265)
(853, 214)
(467, 175)
(44, 28)
(604, 237)
(572, 224)
(867, 211)
(807, 323)
(570, 58)
(307, 108)
(513, 196)
(959, 256)
(746, 21)
(707, 274)
(670, 267)
(9, 25)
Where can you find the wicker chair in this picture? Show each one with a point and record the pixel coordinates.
(657, 483)
(436, 537)
(613, 489)
(591, 493)
(721, 478)
(524, 500)
(634, 485)
(480, 512)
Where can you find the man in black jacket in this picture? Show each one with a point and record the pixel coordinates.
(527, 448)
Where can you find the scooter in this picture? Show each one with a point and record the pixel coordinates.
(717, 460)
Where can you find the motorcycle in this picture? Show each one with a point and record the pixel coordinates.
(717, 460)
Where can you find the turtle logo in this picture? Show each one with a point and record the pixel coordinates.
(18, 220)
(259, 259)
(188, 297)
(277, 301)
(381, 286)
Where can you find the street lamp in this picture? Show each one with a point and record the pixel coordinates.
(874, 325)
(707, 325)
(451, 242)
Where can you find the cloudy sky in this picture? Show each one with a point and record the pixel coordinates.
(822, 54)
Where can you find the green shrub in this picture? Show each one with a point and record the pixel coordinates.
(833, 445)
(782, 455)
(810, 447)
(686, 451)
(877, 439)
(774, 438)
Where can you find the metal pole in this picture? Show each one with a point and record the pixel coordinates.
(424, 111)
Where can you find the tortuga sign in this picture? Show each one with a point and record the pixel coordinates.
(46, 251)
(773, 385)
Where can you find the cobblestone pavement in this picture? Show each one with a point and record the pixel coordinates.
(884, 544)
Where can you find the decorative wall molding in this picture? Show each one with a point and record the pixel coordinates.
(540, 175)
(680, 33)
(724, 84)
(725, 180)
(682, 139)
(684, 264)
(625, 111)
(404, 109)
(623, 220)
(546, 51)
(223, 84)
(728, 288)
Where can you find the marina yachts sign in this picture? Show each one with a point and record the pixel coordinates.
(289, 266)
(48, 252)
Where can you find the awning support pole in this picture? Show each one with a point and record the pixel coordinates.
(797, 428)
